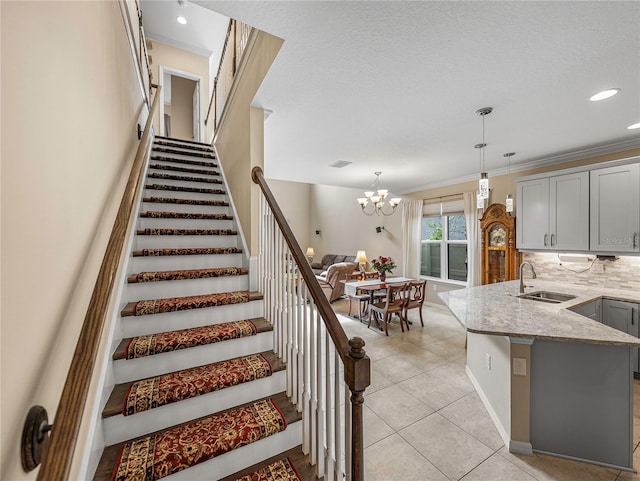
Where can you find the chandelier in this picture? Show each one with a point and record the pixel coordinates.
(378, 200)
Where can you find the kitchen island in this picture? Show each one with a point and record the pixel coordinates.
(552, 380)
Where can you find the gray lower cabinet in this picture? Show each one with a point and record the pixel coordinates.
(592, 310)
(623, 316)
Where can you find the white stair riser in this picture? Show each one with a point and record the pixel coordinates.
(183, 288)
(243, 457)
(208, 176)
(172, 321)
(155, 223)
(184, 182)
(179, 241)
(187, 208)
(170, 263)
(176, 194)
(127, 370)
(121, 428)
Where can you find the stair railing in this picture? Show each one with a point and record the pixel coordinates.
(53, 446)
(234, 44)
(322, 363)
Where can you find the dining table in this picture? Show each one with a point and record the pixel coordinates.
(371, 286)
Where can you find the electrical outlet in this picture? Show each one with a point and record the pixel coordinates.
(519, 366)
(434, 287)
(488, 362)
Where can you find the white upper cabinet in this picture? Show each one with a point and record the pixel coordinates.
(615, 209)
(553, 213)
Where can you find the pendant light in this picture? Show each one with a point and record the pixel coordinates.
(509, 201)
(483, 184)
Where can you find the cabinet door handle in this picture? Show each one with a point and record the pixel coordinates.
(552, 236)
(545, 240)
(635, 239)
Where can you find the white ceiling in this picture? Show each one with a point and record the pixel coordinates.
(394, 86)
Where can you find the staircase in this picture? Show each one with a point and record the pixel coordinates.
(199, 393)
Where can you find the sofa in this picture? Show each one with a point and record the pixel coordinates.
(331, 283)
(330, 259)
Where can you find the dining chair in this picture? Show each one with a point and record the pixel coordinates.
(362, 300)
(416, 293)
(394, 303)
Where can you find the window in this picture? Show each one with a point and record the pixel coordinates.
(444, 247)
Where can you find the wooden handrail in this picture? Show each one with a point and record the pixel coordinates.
(57, 458)
(357, 369)
(215, 82)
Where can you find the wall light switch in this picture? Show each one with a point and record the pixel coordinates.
(519, 366)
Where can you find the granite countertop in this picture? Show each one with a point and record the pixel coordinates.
(495, 309)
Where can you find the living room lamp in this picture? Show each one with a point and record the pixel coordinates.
(361, 259)
(378, 199)
(310, 254)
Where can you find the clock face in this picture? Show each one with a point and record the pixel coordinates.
(497, 236)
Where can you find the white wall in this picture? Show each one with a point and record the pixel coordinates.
(70, 104)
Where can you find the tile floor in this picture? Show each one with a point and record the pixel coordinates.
(424, 420)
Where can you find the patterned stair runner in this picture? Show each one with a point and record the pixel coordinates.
(161, 138)
(183, 215)
(152, 344)
(281, 470)
(291, 465)
(187, 170)
(186, 232)
(192, 146)
(168, 150)
(187, 274)
(202, 163)
(180, 188)
(172, 304)
(135, 397)
(161, 454)
(181, 178)
(187, 251)
(170, 200)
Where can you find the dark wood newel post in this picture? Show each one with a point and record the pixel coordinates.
(358, 378)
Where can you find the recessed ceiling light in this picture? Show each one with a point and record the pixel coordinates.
(605, 94)
(181, 20)
(634, 126)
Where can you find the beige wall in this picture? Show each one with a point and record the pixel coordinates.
(294, 198)
(62, 178)
(240, 135)
(177, 59)
(182, 108)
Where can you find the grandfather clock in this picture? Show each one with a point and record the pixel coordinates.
(500, 259)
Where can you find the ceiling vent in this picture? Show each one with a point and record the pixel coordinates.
(339, 164)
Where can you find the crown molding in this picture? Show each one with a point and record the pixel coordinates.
(588, 152)
(180, 45)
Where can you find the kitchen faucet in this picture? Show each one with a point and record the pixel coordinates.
(533, 275)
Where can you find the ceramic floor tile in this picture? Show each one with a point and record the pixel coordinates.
(432, 390)
(497, 468)
(447, 350)
(551, 468)
(396, 368)
(376, 428)
(378, 381)
(446, 446)
(469, 414)
(455, 375)
(393, 459)
(396, 407)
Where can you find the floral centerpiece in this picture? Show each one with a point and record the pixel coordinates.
(383, 265)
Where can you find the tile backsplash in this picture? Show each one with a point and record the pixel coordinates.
(623, 273)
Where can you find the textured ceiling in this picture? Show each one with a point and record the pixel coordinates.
(394, 86)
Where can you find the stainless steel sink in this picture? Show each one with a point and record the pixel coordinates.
(546, 296)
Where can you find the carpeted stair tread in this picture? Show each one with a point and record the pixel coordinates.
(163, 342)
(166, 452)
(184, 274)
(201, 163)
(181, 188)
(299, 460)
(180, 178)
(187, 170)
(171, 200)
(163, 138)
(194, 153)
(192, 146)
(187, 251)
(172, 304)
(186, 232)
(183, 215)
(138, 396)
